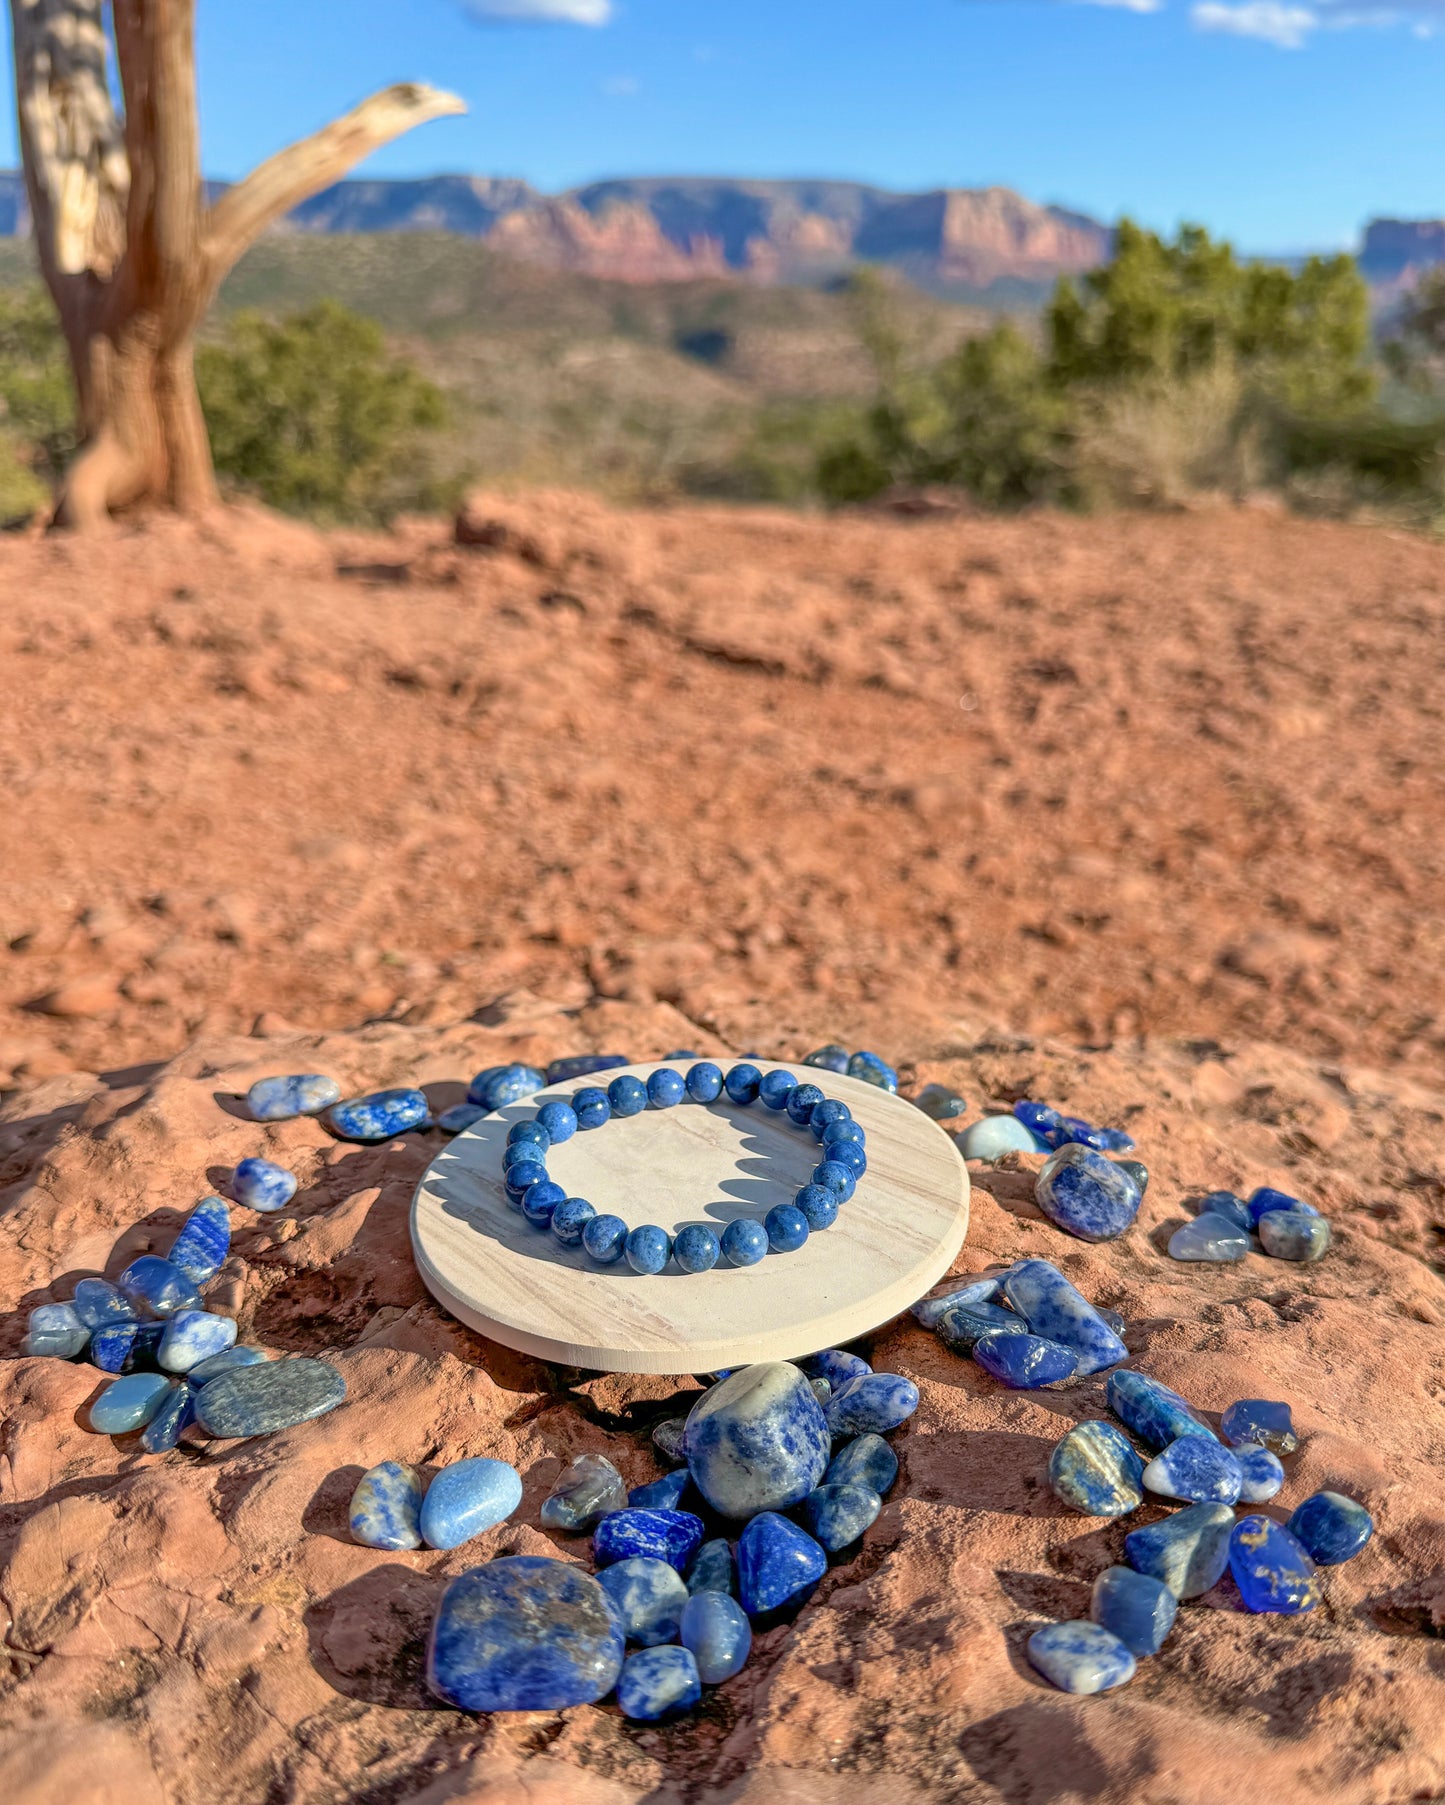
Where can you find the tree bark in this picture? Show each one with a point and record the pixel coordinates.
(128, 249)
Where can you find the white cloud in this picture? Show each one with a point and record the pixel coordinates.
(539, 12)
(1130, 6)
(1273, 21)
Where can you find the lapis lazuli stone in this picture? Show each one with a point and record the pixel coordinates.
(836, 1365)
(711, 1569)
(466, 1499)
(1265, 1200)
(831, 1058)
(1137, 1608)
(559, 1119)
(744, 1241)
(787, 1228)
(127, 1347)
(873, 1070)
(832, 1175)
(662, 1535)
(1156, 1414)
(170, 1422)
(867, 1461)
(965, 1325)
(665, 1088)
(55, 1329)
(648, 1596)
(584, 1065)
(648, 1248)
(657, 1683)
(817, 1206)
(277, 1394)
(697, 1248)
(777, 1562)
(585, 1490)
(605, 1239)
(524, 1634)
(995, 1136)
(1273, 1571)
(1225, 1203)
(499, 1085)
(192, 1336)
(872, 1405)
(96, 1303)
(262, 1185)
(1025, 1362)
(1080, 1657)
(201, 1247)
(1082, 1133)
(1197, 1470)
(1331, 1528)
(299, 1094)
(570, 1219)
(741, 1082)
(1051, 1307)
(1187, 1550)
(704, 1081)
(627, 1096)
(714, 1628)
(226, 1362)
(157, 1288)
(662, 1494)
(1294, 1235)
(1086, 1194)
(1211, 1238)
(1115, 1140)
(774, 1089)
(379, 1116)
(1261, 1474)
(460, 1117)
(836, 1515)
(590, 1106)
(1094, 1468)
(928, 1310)
(129, 1403)
(757, 1441)
(386, 1507)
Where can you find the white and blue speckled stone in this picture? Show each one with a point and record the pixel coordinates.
(1052, 1308)
(55, 1329)
(648, 1597)
(758, 1441)
(1080, 1657)
(386, 1507)
(297, 1094)
(193, 1336)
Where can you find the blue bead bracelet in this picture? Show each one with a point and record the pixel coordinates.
(607, 1239)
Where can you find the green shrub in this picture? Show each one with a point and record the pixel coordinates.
(37, 407)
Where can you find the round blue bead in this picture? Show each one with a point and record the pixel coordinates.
(569, 1218)
(559, 1119)
(696, 1248)
(520, 1178)
(604, 1238)
(744, 1241)
(665, 1088)
(519, 1153)
(829, 1110)
(787, 1228)
(528, 1131)
(834, 1176)
(802, 1102)
(648, 1248)
(540, 1201)
(627, 1095)
(741, 1083)
(704, 1082)
(841, 1128)
(849, 1154)
(591, 1107)
(774, 1089)
(817, 1205)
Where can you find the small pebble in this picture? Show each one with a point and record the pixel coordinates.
(837, 1366)
(777, 1562)
(1209, 1238)
(1258, 1421)
(1086, 1194)
(715, 1630)
(657, 1683)
(1197, 1470)
(867, 1461)
(192, 1336)
(1137, 1170)
(261, 1185)
(1026, 1362)
(277, 1394)
(379, 1116)
(584, 1491)
(201, 1247)
(821, 1390)
(1053, 1309)
(1156, 1414)
(500, 1085)
(125, 1347)
(466, 1499)
(1080, 1657)
(1272, 1570)
(386, 1507)
(711, 1569)
(1266, 1200)
(836, 1515)
(1261, 1475)
(1225, 1203)
(667, 1437)
(995, 1136)
(1331, 1528)
(1293, 1235)
(170, 1422)
(965, 1325)
(156, 1288)
(56, 1330)
(1095, 1470)
(941, 1102)
(663, 1535)
(928, 1310)
(129, 1403)
(648, 1596)
(1135, 1607)
(871, 1405)
(873, 1070)
(303, 1094)
(1188, 1550)
(831, 1058)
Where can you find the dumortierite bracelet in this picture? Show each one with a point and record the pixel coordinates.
(744, 1241)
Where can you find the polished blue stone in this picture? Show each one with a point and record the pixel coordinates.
(1044, 1123)
(468, 1498)
(585, 1491)
(127, 1347)
(584, 1065)
(647, 1597)
(836, 1365)
(524, 1634)
(530, 1129)
(590, 1106)
(1266, 1199)
(873, 1070)
(1187, 1550)
(1095, 1470)
(1051, 1307)
(648, 1248)
(774, 1089)
(386, 1507)
(1080, 1657)
(1196, 1469)
(96, 1303)
(206, 1370)
(157, 1288)
(744, 1241)
(1025, 1362)
(696, 1248)
(1294, 1235)
(170, 1422)
(1272, 1569)
(520, 1177)
(1257, 1420)
(1086, 1194)
(741, 1082)
(301, 1094)
(1331, 1528)
(715, 1630)
(965, 1325)
(849, 1154)
(995, 1136)
(1225, 1203)
(379, 1116)
(627, 1096)
(662, 1494)
(559, 1119)
(201, 1247)
(1137, 1170)
(704, 1082)
(129, 1403)
(831, 1109)
(928, 1310)
(498, 1085)
(662, 1535)
(757, 1440)
(570, 1219)
(681, 1053)
(1261, 1475)
(521, 1153)
(665, 1089)
(1156, 1414)
(1135, 1607)
(834, 1176)
(711, 1569)
(836, 1515)
(842, 1128)
(539, 1201)
(657, 1683)
(460, 1117)
(276, 1394)
(940, 1102)
(802, 1102)
(605, 1239)
(1209, 1237)
(866, 1461)
(777, 1562)
(260, 1184)
(192, 1336)
(787, 1228)
(831, 1058)
(55, 1329)
(1081, 1133)
(872, 1404)
(817, 1206)
(1115, 1140)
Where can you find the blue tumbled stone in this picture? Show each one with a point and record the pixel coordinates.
(873, 1070)
(201, 1247)
(1137, 1170)
(96, 1303)
(1265, 1200)
(995, 1136)
(757, 1441)
(277, 1394)
(1026, 1362)
(787, 1228)
(704, 1082)
(1225, 1203)
(1294, 1235)
(570, 1219)
(656, 1683)
(559, 1119)
(540, 1199)
(647, 1596)
(648, 1248)
(129, 1403)
(590, 1106)
(711, 1569)
(741, 1083)
(627, 1096)
(524, 1634)
(871, 1405)
(681, 1053)
(1156, 1414)
(378, 1117)
(1086, 1194)
(662, 1494)
(125, 1347)
(866, 1461)
(1211, 1238)
(1196, 1469)
(466, 1499)
(836, 1515)
(460, 1117)
(386, 1507)
(665, 1089)
(588, 1488)
(1137, 1608)
(170, 1422)
(500, 1085)
(696, 1248)
(928, 1310)
(831, 1058)
(667, 1438)
(964, 1325)
(1257, 1420)
(1114, 1140)
(835, 1365)
(1043, 1122)
(55, 1329)
(192, 1336)
(604, 1239)
(802, 1102)
(661, 1535)
(260, 1184)
(1273, 1571)
(1095, 1470)
(940, 1102)
(300, 1094)
(226, 1362)
(1261, 1475)
(157, 1288)
(715, 1630)
(1080, 1657)
(744, 1241)
(584, 1065)
(1188, 1551)
(774, 1089)
(777, 1562)
(1331, 1528)
(1051, 1307)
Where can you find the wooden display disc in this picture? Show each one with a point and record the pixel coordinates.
(897, 1235)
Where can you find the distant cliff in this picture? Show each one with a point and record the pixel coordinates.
(1396, 251)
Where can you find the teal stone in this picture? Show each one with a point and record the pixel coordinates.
(1293, 1235)
(868, 1460)
(1156, 1414)
(647, 1597)
(129, 1403)
(259, 1400)
(715, 1630)
(1080, 1657)
(192, 1336)
(386, 1507)
(995, 1136)
(1094, 1469)
(468, 1498)
(657, 1683)
(1209, 1238)
(1188, 1551)
(836, 1515)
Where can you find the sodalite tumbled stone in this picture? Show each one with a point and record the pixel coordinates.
(129, 1403)
(656, 1683)
(964, 1325)
(1156, 1414)
(662, 1535)
(192, 1336)
(386, 1507)
(715, 1630)
(1294, 1235)
(837, 1366)
(777, 1562)
(1197, 1470)
(871, 1405)
(831, 1058)
(711, 1569)
(1051, 1307)
(1226, 1204)
(379, 1116)
(499, 1085)
(873, 1070)
(757, 1441)
(260, 1184)
(466, 1499)
(1086, 1194)
(201, 1247)
(1135, 1607)
(648, 1597)
(1188, 1550)
(1272, 1570)
(995, 1136)
(868, 1461)
(127, 1347)
(928, 1310)
(170, 1422)
(1266, 1200)
(1261, 1475)
(836, 1515)
(55, 1329)
(662, 1494)
(1259, 1421)
(1209, 1238)
(1094, 1468)
(258, 1400)
(1080, 1657)
(97, 1302)
(300, 1094)
(1331, 1528)
(524, 1634)
(587, 1489)
(1026, 1362)
(156, 1288)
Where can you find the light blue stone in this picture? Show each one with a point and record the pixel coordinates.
(97, 1303)
(584, 1065)
(648, 1248)
(524, 1634)
(648, 1597)
(777, 1562)
(262, 1185)
(661, 1494)
(836, 1515)
(570, 1219)
(156, 1288)
(1273, 1571)
(1080, 1657)
(129, 1403)
(379, 1116)
(711, 1569)
(1196, 1469)
(831, 1058)
(837, 1366)
(1095, 1470)
(1331, 1528)
(1261, 1475)
(206, 1370)
(499, 1085)
(757, 1441)
(965, 1325)
(1188, 1550)
(871, 1405)
(1209, 1238)
(744, 1241)
(873, 1070)
(1266, 1200)
(657, 1683)
(605, 1239)
(1051, 1307)
(193, 1336)
(1156, 1414)
(170, 1422)
(460, 1117)
(995, 1136)
(867, 1461)
(1258, 1421)
(584, 1491)
(300, 1094)
(1086, 1194)
(1225, 1203)
(1026, 1362)
(1294, 1235)
(673, 1536)
(928, 1310)
(123, 1347)
(386, 1507)
(696, 1248)
(466, 1499)
(276, 1394)
(1135, 1607)
(201, 1247)
(56, 1330)
(716, 1632)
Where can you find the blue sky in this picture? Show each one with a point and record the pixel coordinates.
(1281, 123)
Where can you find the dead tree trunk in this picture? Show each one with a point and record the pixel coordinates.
(129, 249)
